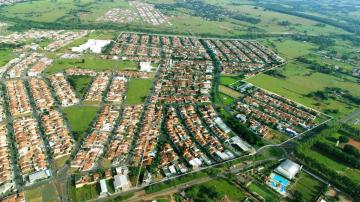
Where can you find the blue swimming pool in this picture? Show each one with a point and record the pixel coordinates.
(281, 180)
(279, 183)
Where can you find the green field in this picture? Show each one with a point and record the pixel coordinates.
(227, 80)
(229, 91)
(42, 193)
(80, 84)
(98, 34)
(263, 191)
(300, 81)
(227, 100)
(5, 56)
(90, 62)
(308, 186)
(79, 118)
(84, 193)
(220, 187)
(138, 89)
(290, 48)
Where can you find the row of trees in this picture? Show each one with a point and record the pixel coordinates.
(337, 154)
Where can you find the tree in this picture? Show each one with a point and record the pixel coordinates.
(343, 139)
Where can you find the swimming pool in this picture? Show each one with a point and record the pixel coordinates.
(278, 183)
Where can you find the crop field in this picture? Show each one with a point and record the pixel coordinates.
(137, 91)
(90, 62)
(300, 81)
(79, 118)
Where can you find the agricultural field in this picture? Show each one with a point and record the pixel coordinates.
(79, 118)
(138, 90)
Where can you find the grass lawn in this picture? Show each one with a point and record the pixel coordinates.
(227, 80)
(262, 190)
(80, 84)
(42, 193)
(308, 186)
(137, 91)
(220, 186)
(290, 48)
(227, 100)
(84, 193)
(60, 162)
(5, 56)
(79, 118)
(277, 137)
(300, 81)
(229, 91)
(91, 62)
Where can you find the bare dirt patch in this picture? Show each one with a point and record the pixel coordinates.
(354, 143)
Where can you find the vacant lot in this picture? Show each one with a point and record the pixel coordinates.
(229, 91)
(221, 187)
(300, 81)
(137, 91)
(42, 193)
(90, 62)
(290, 48)
(5, 56)
(80, 84)
(79, 118)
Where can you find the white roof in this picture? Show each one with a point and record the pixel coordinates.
(288, 169)
(42, 174)
(121, 181)
(103, 186)
(222, 125)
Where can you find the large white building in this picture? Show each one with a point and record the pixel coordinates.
(288, 169)
(95, 46)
